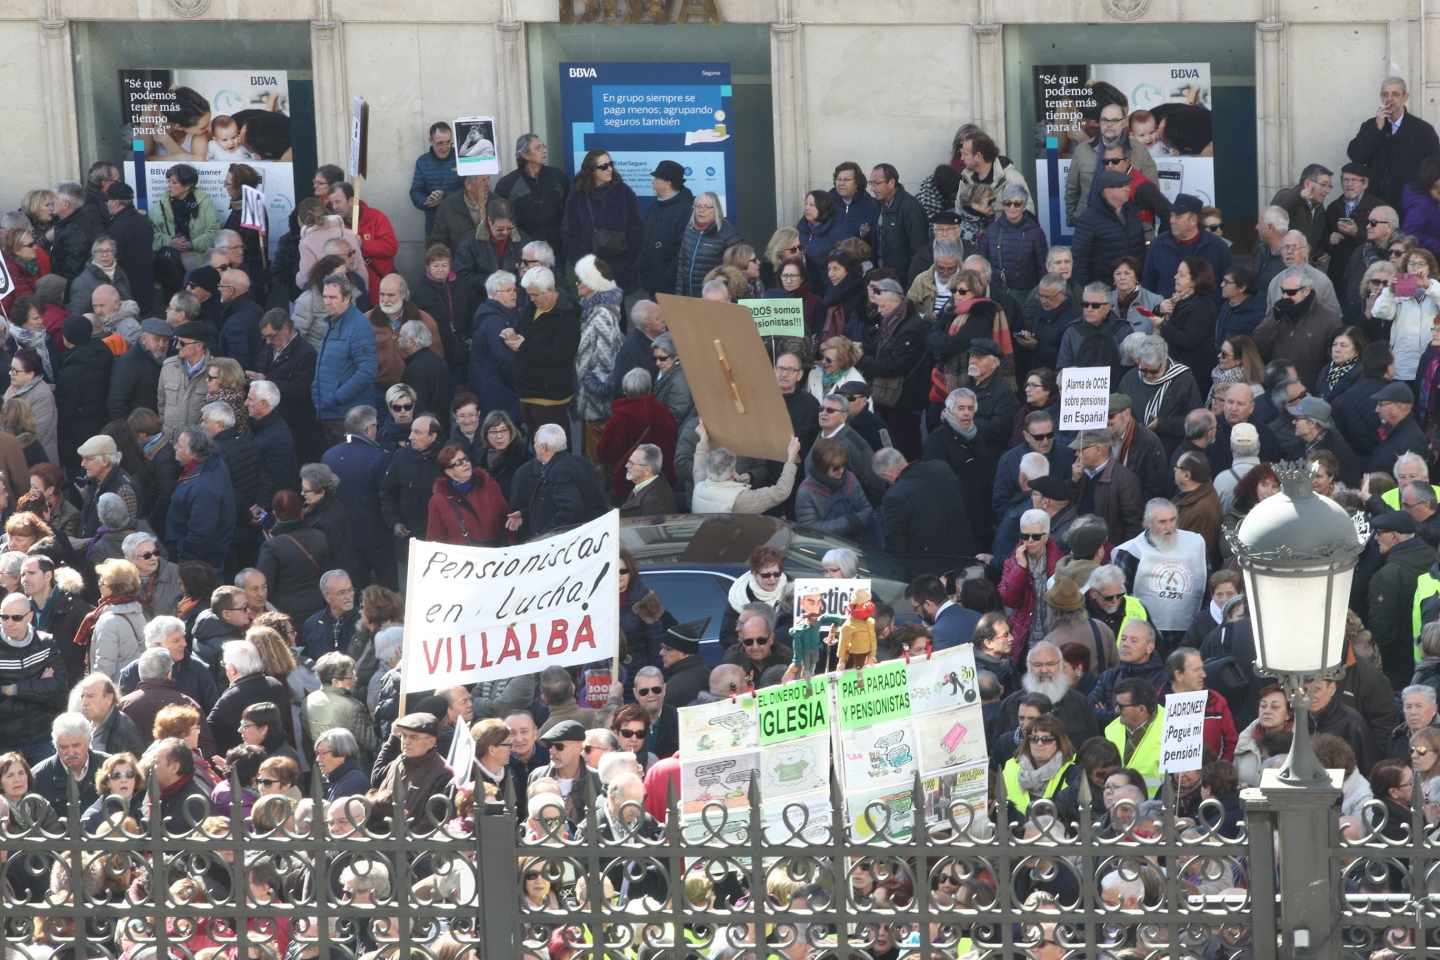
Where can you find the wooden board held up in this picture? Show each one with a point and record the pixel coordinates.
(730, 376)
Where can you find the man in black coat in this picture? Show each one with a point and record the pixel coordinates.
(82, 387)
(135, 376)
(405, 491)
(1354, 410)
(927, 525)
(240, 328)
(242, 458)
(958, 444)
(288, 361)
(1399, 432)
(134, 235)
(1346, 224)
(1139, 449)
(73, 760)
(1107, 230)
(686, 675)
(75, 230)
(902, 229)
(637, 350)
(537, 192)
(1393, 143)
(1036, 436)
(664, 225)
(273, 440)
(425, 373)
(556, 489)
(1316, 431)
(249, 684)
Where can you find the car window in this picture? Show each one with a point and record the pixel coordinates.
(692, 595)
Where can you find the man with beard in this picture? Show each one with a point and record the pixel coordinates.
(1161, 391)
(1300, 326)
(1045, 673)
(950, 624)
(1165, 567)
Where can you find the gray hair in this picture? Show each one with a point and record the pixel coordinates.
(1395, 82)
(541, 251)
(844, 558)
(244, 574)
(320, 475)
(361, 418)
(11, 561)
(340, 742)
(615, 764)
(538, 279)
(388, 643)
(404, 291)
(187, 303)
(1157, 503)
(1053, 281)
(400, 391)
(71, 191)
(887, 459)
(653, 456)
(1240, 446)
(643, 312)
(980, 265)
(958, 394)
(373, 877)
(522, 143)
(1276, 218)
(1098, 288)
(499, 280)
(719, 464)
(1105, 575)
(946, 250)
(102, 241)
(1153, 349)
(218, 412)
(637, 382)
(716, 284)
(90, 680)
(1296, 236)
(1423, 689)
(1036, 518)
(415, 332)
(112, 512)
(330, 576)
(154, 663)
(1423, 491)
(266, 392)
(650, 672)
(1411, 459)
(1014, 191)
(334, 666)
(1296, 274)
(242, 655)
(1430, 639)
(159, 628)
(70, 724)
(340, 280)
(604, 737)
(1129, 346)
(1033, 466)
(664, 342)
(551, 436)
(1198, 423)
(1055, 252)
(715, 199)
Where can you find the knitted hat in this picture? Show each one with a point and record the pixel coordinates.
(76, 330)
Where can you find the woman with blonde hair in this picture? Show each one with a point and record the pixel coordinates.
(115, 630)
(834, 365)
(119, 791)
(742, 257)
(784, 243)
(225, 380)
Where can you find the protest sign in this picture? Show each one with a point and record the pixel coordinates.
(793, 710)
(725, 780)
(950, 739)
(1084, 398)
(799, 766)
(720, 726)
(252, 209)
(888, 811)
(7, 283)
(777, 316)
(731, 377)
(882, 694)
(884, 753)
(355, 164)
(821, 607)
(944, 680)
(475, 146)
(482, 613)
(1182, 740)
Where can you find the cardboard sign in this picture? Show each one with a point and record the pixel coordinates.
(7, 283)
(475, 146)
(882, 694)
(252, 209)
(1084, 398)
(730, 375)
(1182, 739)
(595, 688)
(359, 137)
(482, 613)
(777, 317)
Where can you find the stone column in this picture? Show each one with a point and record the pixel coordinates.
(988, 91)
(792, 137)
(512, 81)
(1272, 121)
(332, 99)
(61, 151)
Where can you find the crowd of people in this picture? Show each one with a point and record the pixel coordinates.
(213, 458)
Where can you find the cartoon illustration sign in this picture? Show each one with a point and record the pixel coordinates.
(950, 739)
(880, 754)
(724, 780)
(800, 766)
(718, 727)
(944, 681)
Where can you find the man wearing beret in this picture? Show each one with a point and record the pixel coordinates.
(1392, 591)
(564, 741)
(410, 756)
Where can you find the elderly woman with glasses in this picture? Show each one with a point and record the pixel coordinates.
(1044, 765)
(503, 450)
(766, 583)
(834, 365)
(1015, 244)
(706, 238)
(26, 261)
(671, 387)
(399, 415)
(1411, 302)
(466, 504)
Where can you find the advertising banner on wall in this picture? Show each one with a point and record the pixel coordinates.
(643, 113)
(211, 119)
(1167, 107)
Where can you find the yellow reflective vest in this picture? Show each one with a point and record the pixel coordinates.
(1018, 796)
(1146, 758)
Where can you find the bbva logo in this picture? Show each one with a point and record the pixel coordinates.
(583, 72)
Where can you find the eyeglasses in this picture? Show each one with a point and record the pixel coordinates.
(1041, 437)
(1041, 738)
(1377, 223)
(1112, 120)
(1033, 537)
(1419, 751)
(147, 556)
(1214, 227)
(603, 166)
(755, 641)
(132, 775)
(508, 744)
(1112, 597)
(1090, 305)
(624, 571)
(950, 878)
(768, 574)
(14, 617)
(402, 407)
(533, 875)
(266, 781)
(961, 292)
(181, 343)
(633, 733)
(458, 462)
(1114, 161)
(1397, 253)
(1291, 292)
(1013, 203)
(661, 357)
(648, 691)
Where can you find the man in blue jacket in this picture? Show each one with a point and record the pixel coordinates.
(950, 623)
(435, 177)
(856, 209)
(1185, 239)
(345, 363)
(201, 520)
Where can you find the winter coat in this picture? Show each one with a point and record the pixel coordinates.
(1016, 252)
(180, 395)
(134, 382)
(1190, 332)
(1085, 164)
(843, 310)
(389, 364)
(118, 638)
(633, 421)
(600, 340)
(973, 462)
(361, 464)
(405, 491)
(292, 558)
(202, 514)
(902, 355)
(564, 492)
(39, 396)
(1420, 218)
(240, 333)
(538, 203)
(492, 364)
(475, 518)
(1354, 413)
(1118, 500)
(82, 288)
(429, 377)
(1102, 236)
(1017, 592)
(38, 699)
(275, 445)
(673, 390)
(700, 253)
(70, 250)
(1304, 338)
(1392, 155)
(901, 230)
(242, 461)
(431, 174)
(1086, 345)
(1390, 606)
(82, 387)
(1165, 254)
(378, 246)
(1240, 318)
(1411, 322)
(1200, 513)
(660, 237)
(161, 593)
(614, 208)
(843, 511)
(926, 519)
(251, 689)
(449, 304)
(545, 362)
(345, 366)
(816, 241)
(203, 224)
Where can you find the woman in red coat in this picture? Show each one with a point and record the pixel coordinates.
(636, 418)
(26, 262)
(466, 505)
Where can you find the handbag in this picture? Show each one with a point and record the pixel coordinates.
(885, 391)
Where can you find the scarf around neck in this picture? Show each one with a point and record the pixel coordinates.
(1032, 778)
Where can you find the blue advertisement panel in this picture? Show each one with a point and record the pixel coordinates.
(643, 113)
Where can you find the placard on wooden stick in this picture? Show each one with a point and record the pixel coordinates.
(730, 376)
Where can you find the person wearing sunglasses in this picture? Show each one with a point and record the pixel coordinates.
(1043, 765)
(602, 217)
(1108, 229)
(466, 504)
(756, 649)
(119, 791)
(662, 721)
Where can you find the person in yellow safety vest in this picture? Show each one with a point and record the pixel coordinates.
(1136, 732)
(1044, 764)
(1409, 468)
(1107, 601)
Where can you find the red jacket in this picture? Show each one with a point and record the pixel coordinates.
(633, 421)
(476, 519)
(24, 282)
(1017, 591)
(378, 246)
(1220, 733)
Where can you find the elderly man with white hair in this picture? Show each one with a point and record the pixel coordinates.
(425, 371)
(97, 699)
(545, 343)
(1161, 390)
(1295, 252)
(650, 492)
(274, 440)
(1045, 674)
(1166, 569)
(249, 476)
(556, 489)
(73, 759)
(100, 459)
(719, 490)
(249, 684)
(188, 677)
(1301, 322)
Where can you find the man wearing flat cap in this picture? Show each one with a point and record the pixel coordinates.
(1391, 595)
(182, 378)
(100, 459)
(996, 404)
(685, 672)
(1135, 446)
(135, 378)
(565, 741)
(1105, 486)
(1399, 432)
(930, 272)
(410, 757)
(1316, 429)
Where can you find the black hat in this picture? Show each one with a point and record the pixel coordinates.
(206, 278)
(985, 348)
(1356, 169)
(566, 731)
(1187, 203)
(1052, 488)
(1397, 521)
(1113, 178)
(195, 330)
(853, 388)
(1084, 541)
(418, 723)
(1393, 392)
(670, 170)
(685, 637)
(119, 190)
(946, 217)
(76, 329)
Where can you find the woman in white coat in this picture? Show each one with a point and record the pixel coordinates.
(1411, 311)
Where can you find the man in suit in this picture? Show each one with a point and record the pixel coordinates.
(650, 492)
(1393, 143)
(950, 623)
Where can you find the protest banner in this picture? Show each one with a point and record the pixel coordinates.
(252, 209)
(719, 727)
(482, 613)
(822, 606)
(355, 161)
(475, 146)
(796, 767)
(882, 694)
(1182, 739)
(884, 753)
(724, 780)
(944, 680)
(792, 711)
(777, 316)
(1084, 398)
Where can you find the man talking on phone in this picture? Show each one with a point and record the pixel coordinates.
(1393, 143)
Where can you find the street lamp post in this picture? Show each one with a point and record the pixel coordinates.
(1297, 551)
